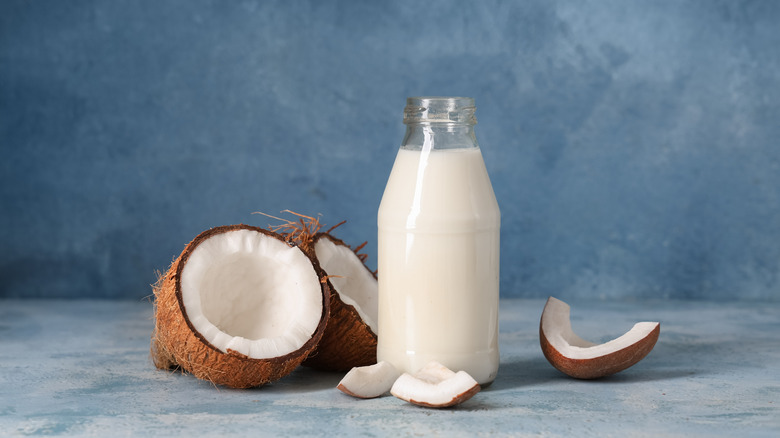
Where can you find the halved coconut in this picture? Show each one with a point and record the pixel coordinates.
(435, 386)
(369, 381)
(239, 307)
(582, 359)
(350, 336)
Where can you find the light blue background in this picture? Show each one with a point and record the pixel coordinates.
(633, 145)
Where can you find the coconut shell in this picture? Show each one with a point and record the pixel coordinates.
(348, 342)
(175, 343)
(601, 366)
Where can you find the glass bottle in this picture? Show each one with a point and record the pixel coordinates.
(438, 246)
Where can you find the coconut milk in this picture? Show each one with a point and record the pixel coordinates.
(438, 263)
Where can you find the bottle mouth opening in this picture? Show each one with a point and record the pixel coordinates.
(433, 109)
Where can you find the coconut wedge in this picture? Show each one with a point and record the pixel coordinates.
(435, 386)
(369, 381)
(239, 307)
(581, 359)
(350, 336)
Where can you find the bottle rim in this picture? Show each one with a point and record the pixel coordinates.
(440, 109)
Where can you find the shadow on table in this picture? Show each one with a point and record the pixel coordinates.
(670, 359)
(524, 373)
(645, 375)
(303, 380)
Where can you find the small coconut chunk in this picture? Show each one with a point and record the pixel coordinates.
(354, 283)
(582, 359)
(435, 386)
(369, 381)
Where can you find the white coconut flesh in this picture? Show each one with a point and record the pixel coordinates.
(350, 278)
(369, 381)
(556, 326)
(251, 293)
(435, 385)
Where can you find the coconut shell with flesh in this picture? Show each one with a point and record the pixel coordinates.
(435, 386)
(348, 341)
(175, 343)
(611, 361)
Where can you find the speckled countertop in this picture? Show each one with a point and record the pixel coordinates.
(83, 368)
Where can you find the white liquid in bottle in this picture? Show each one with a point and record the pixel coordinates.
(438, 263)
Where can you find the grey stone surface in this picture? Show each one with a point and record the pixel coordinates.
(82, 368)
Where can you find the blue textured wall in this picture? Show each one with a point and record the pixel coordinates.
(633, 146)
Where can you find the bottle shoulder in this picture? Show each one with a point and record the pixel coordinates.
(437, 188)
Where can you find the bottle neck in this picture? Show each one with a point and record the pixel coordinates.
(439, 123)
(434, 136)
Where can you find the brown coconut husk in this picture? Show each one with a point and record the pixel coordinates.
(348, 341)
(175, 343)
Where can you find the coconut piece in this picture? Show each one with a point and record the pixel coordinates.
(369, 381)
(239, 307)
(350, 336)
(582, 359)
(435, 386)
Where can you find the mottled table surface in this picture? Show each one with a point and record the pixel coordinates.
(83, 368)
